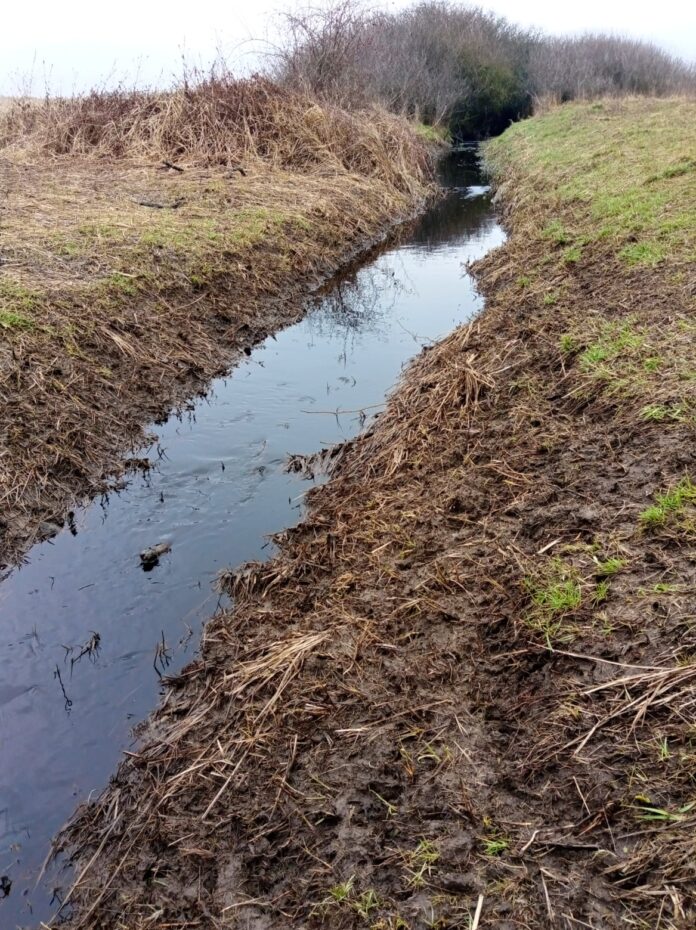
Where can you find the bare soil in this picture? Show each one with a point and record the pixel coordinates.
(462, 695)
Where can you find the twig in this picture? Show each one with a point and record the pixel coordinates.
(477, 915)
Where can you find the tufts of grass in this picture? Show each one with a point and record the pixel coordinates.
(663, 587)
(568, 344)
(495, 845)
(436, 135)
(659, 412)
(556, 592)
(572, 255)
(615, 340)
(366, 903)
(555, 232)
(11, 319)
(669, 506)
(341, 892)
(610, 567)
(643, 253)
(661, 814)
(601, 592)
(344, 894)
(558, 596)
(420, 862)
(16, 302)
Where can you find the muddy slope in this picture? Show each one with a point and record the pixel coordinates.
(462, 695)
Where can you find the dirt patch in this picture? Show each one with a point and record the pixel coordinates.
(130, 277)
(462, 694)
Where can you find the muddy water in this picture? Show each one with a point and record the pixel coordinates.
(217, 490)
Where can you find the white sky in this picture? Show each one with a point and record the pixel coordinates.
(76, 44)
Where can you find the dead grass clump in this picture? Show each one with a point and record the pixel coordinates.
(219, 120)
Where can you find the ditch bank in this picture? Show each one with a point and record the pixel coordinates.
(462, 692)
(149, 241)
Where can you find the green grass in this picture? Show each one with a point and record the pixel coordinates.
(661, 814)
(572, 255)
(366, 903)
(610, 567)
(555, 592)
(669, 506)
(10, 319)
(616, 341)
(659, 412)
(555, 232)
(342, 891)
(495, 845)
(420, 862)
(558, 596)
(568, 344)
(627, 170)
(435, 134)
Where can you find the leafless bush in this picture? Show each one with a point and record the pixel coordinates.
(600, 65)
(441, 62)
(428, 62)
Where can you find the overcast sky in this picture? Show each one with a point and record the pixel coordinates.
(76, 44)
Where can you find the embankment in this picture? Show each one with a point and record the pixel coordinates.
(146, 240)
(463, 693)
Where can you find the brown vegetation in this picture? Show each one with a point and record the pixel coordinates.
(462, 696)
(146, 239)
(461, 66)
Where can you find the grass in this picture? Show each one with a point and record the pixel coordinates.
(555, 591)
(670, 506)
(11, 319)
(616, 180)
(420, 862)
(341, 892)
(609, 567)
(646, 216)
(437, 135)
(363, 903)
(661, 815)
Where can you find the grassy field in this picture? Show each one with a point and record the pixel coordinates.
(147, 239)
(462, 695)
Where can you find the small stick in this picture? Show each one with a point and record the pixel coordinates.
(168, 164)
(528, 843)
(477, 915)
(546, 895)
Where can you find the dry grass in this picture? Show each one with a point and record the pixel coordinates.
(126, 283)
(218, 121)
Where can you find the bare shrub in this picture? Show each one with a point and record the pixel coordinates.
(598, 65)
(442, 62)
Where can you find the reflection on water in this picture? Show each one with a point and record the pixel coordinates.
(86, 632)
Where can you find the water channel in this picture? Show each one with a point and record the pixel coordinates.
(218, 489)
